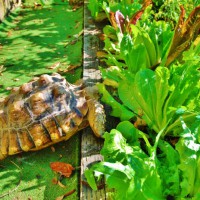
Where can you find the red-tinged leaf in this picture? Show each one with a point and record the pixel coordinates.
(112, 19)
(133, 20)
(117, 20)
(62, 168)
(185, 33)
(120, 20)
(146, 3)
(136, 17)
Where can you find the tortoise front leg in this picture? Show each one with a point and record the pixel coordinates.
(96, 117)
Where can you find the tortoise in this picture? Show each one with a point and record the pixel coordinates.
(45, 111)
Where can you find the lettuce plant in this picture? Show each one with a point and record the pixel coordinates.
(154, 77)
(142, 167)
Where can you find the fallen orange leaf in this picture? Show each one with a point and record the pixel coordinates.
(55, 181)
(66, 195)
(55, 65)
(62, 168)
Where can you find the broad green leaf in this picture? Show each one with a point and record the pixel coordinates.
(138, 58)
(115, 146)
(189, 151)
(161, 34)
(90, 178)
(95, 7)
(113, 73)
(127, 169)
(149, 92)
(139, 98)
(155, 192)
(126, 45)
(161, 93)
(118, 110)
(128, 131)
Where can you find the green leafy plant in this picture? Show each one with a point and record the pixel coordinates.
(146, 167)
(169, 10)
(146, 43)
(159, 96)
(153, 76)
(139, 47)
(127, 7)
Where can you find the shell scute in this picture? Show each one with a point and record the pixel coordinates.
(39, 134)
(4, 143)
(40, 113)
(25, 140)
(14, 146)
(53, 128)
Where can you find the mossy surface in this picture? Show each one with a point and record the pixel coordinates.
(32, 39)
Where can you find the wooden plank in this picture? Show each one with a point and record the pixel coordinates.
(90, 145)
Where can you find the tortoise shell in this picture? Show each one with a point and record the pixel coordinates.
(45, 111)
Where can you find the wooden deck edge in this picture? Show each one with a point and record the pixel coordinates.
(90, 145)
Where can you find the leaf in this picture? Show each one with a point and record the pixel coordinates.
(188, 149)
(185, 33)
(54, 66)
(90, 179)
(118, 110)
(142, 98)
(135, 55)
(127, 169)
(168, 170)
(55, 181)
(69, 68)
(66, 195)
(117, 20)
(135, 17)
(95, 7)
(62, 168)
(128, 131)
(115, 146)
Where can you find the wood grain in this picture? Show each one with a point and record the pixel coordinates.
(90, 145)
